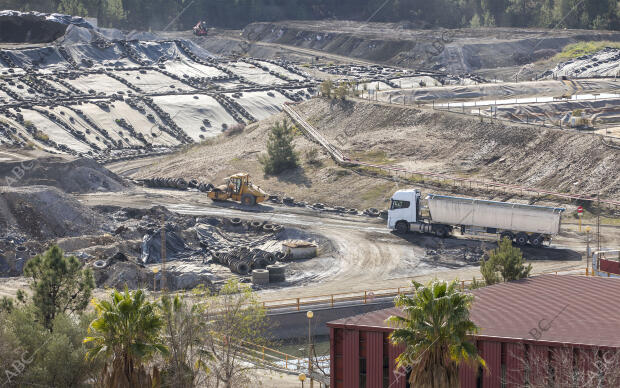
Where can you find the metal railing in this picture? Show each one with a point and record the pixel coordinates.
(367, 296)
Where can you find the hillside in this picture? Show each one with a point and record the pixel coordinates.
(418, 139)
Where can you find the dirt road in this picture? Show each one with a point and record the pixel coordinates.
(368, 256)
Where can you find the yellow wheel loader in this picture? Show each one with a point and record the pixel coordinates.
(238, 188)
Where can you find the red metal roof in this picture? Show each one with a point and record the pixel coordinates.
(549, 308)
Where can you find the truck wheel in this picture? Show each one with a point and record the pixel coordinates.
(521, 239)
(507, 235)
(402, 227)
(441, 232)
(536, 240)
(248, 200)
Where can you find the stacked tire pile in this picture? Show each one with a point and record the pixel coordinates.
(67, 57)
(242, 260)
(131, 53)
(7, 59)
(172, 183)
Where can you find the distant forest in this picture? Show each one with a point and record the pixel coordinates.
(155, 14)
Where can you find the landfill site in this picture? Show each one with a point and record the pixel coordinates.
(115, 143)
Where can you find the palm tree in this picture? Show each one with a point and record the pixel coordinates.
(435, 330)
(127, 331)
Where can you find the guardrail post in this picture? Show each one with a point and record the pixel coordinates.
(462, 285)
(332, 297)
(365, 294)
(297, 304)
(286, 362)
(263, 353)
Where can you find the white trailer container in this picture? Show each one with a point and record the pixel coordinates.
(521, 223)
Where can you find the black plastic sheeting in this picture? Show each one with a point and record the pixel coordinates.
(151, 247)
(36, 27)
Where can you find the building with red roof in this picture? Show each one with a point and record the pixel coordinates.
(538, 330)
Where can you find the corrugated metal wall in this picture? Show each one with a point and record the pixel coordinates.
(563, 365)
(468, 376)
(612, 266)
(538, 360)
(522, 363)
(374, 359)
(492, 354)
(337, 361)
(351, 358)
(398, 379)
(515, 365)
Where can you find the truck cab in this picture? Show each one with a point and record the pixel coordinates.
(404, 209)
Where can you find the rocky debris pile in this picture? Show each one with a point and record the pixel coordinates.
(42, 213)
(72, 175)
(152, 246)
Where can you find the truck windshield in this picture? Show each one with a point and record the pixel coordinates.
(396, 204)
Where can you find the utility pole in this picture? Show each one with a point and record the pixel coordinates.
(598, 222)
(310, 314)
(163, 254)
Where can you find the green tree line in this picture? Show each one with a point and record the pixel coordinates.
(155, 14)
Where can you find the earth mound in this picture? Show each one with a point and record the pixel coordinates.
(80, 175)
(43, 213)
(35, 27)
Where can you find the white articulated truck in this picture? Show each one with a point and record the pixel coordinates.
(522, 224)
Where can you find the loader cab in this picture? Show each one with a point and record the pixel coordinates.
(236, 183)
(404, 206)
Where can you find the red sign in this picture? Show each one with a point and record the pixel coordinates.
(580, 209)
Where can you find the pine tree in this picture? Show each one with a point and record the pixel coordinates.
(59, 284)
(281, 153)
(504, 263)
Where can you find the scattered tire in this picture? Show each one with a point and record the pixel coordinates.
(181, 184)
(270, 258)
(276, 269)
(277, 228)
(521, 239)
(100, 264)
(268, 228)
(242, 268)
(260, 263)
(235, 221)
(276, 273)
(260, 276)
(256, 225)
(372, 212)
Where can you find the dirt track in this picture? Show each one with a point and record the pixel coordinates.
(367, 255)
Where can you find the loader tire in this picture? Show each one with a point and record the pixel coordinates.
(248, 200)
